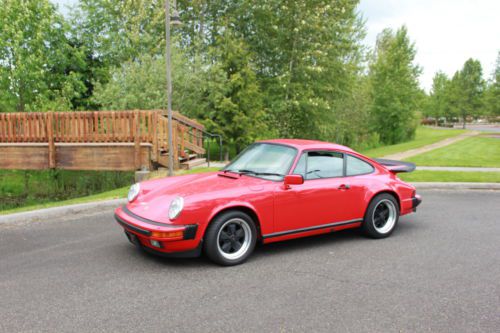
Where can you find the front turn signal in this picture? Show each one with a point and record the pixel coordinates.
(168, 234)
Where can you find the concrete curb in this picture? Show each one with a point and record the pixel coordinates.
(54, 212)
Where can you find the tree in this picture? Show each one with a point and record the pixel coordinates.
(394, 86)
(141, 84)
(35, 58)
(468, 90)
(437, 103)
(119, 31)
(308, 59)
(492, 93)
(235, 102)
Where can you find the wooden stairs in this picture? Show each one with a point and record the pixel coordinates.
(188, 162)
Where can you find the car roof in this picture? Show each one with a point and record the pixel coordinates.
(302, 144)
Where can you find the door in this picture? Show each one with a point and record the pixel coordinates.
(324, 198)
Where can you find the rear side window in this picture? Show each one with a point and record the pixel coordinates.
(356, 166)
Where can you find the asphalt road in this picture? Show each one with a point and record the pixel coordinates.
(439, 272)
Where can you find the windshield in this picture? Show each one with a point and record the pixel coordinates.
(264, 160)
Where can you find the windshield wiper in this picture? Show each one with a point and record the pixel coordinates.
(244, 171)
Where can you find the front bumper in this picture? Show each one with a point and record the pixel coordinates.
(158, 237)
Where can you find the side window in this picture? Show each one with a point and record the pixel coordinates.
(324, 165)
(356, 166)
(300, 168)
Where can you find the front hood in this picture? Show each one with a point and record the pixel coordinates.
(154, 201)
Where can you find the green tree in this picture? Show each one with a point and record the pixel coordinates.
(308, 58)
(394, 86)
(437, 103)
(141, 84)
(35, 58)
(492, 93)
(119, 31)
(468, 90)
(234, 106)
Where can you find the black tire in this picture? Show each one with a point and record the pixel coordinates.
(374, 223)
(225, 229)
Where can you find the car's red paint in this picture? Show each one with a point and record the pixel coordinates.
(278, 208)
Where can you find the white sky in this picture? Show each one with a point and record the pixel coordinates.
(446, 32)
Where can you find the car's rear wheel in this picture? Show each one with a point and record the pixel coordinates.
(381, 216)
(230, 238)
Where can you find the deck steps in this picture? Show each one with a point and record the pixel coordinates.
(189, 164)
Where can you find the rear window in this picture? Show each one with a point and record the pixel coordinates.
(356, 166)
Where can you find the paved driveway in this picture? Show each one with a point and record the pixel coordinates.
(439, 272)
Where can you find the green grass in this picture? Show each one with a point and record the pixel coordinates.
(113, 194)
(424, 136)
(472, 152)
(108, 195)
(451, 176)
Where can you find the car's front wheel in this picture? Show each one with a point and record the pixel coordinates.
(381, 216)
(230, 238)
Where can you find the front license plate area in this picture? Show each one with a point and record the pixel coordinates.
(133, 238)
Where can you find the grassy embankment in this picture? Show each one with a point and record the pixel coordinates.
(108, 195)
(480, 151)
(423, 137)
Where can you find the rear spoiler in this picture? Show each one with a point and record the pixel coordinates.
(396, 166)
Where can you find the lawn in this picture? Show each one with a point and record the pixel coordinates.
(451, 176)
(480, 151)
(424, 136)
(108, 195)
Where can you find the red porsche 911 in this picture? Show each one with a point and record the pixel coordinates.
(273, 191)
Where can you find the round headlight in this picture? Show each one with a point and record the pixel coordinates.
(176, 207)
(133, 192)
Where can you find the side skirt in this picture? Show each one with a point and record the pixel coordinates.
(333, 226)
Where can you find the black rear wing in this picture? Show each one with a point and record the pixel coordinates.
(396, 166)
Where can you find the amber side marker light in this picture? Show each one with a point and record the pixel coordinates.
(167, 234)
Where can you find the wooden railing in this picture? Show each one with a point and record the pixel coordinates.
(132, 126)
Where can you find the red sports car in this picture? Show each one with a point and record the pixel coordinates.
(273, 191)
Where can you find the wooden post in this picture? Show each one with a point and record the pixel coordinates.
(175, 138)
(50, 138)
(182, 128)
(137, 141)
(154, 128)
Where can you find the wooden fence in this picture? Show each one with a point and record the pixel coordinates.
(133, 128)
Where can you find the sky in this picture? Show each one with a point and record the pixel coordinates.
(446, 32)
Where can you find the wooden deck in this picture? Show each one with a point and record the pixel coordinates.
(95, 140)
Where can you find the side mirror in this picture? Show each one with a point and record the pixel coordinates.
(293, 180)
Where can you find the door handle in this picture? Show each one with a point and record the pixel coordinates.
(344, 187)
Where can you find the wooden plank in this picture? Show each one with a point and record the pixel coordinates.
(95, 127)
(101, 156)
(182, 139)
(15, 157)
(175, 142)
(193, 147)
(50, 139)
(137, 141)
(2, 127)
(154, 139)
